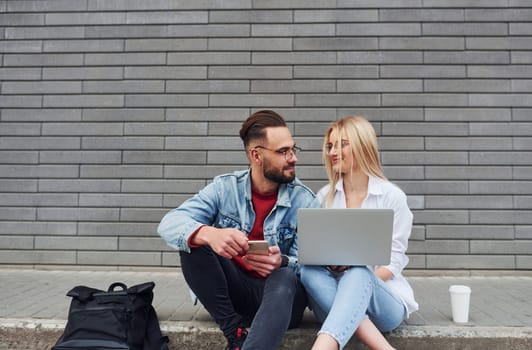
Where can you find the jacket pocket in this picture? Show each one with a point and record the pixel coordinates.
(285, 238)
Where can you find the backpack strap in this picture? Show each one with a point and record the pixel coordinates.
(83, 293)
(154, 340)
(113, 286)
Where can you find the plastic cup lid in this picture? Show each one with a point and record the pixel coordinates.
(459, 289)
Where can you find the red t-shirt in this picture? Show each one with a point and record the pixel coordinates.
(263, 205)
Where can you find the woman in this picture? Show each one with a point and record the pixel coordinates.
(360, 300)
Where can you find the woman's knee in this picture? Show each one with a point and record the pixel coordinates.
(310, 274)
(389, 323)
(359, 274)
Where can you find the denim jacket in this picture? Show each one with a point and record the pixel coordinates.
(226, 203)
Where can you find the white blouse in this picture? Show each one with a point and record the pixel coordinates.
(384, 194)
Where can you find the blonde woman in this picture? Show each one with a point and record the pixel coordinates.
(360, 300)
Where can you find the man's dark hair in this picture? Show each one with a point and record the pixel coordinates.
(253, 127)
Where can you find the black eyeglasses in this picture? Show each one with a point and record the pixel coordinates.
(288, 153)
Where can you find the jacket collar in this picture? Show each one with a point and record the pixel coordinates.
(283, 194)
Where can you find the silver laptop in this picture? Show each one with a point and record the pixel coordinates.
(344, 236)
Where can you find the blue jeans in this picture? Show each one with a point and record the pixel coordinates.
(341, 300)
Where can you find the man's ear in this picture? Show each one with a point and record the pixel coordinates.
(255, 156)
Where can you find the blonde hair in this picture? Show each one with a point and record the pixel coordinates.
(362, 144)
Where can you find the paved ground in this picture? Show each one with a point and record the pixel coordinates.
(33, 298)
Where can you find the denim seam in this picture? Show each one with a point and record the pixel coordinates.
(341, 336)
(394, 297)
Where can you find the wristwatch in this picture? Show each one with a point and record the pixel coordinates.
(284, 260)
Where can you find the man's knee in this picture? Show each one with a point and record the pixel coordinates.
(200, 260)
(196, 257)
(285, 275)
(196, 252)
(283, 281)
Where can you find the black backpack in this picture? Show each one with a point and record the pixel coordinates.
(113, 319)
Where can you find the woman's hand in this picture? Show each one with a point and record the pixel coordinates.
(383, 273)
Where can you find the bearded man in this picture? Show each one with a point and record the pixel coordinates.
(211, 230)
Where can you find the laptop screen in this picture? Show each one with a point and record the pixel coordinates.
(345, 236)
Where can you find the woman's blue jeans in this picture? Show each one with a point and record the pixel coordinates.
(341, 300)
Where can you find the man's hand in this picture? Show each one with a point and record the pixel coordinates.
(264, 264)
(226, 242)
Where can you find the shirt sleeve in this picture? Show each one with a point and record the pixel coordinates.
(179, 224)
(320, 196)
(402, 227)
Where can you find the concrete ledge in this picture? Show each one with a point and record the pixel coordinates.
(500, 313)
(31, 334)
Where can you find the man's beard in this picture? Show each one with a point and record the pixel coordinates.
(277, 175)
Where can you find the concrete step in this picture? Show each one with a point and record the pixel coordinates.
(31, 334)
(34, 308)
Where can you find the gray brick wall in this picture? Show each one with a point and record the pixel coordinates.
(114, 111)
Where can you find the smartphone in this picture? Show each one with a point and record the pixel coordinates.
(258, 247)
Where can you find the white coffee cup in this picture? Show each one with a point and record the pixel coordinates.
(460, 296)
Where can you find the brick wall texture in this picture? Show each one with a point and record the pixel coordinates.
(114, 111)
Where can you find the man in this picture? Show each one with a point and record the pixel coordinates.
(211, 230)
